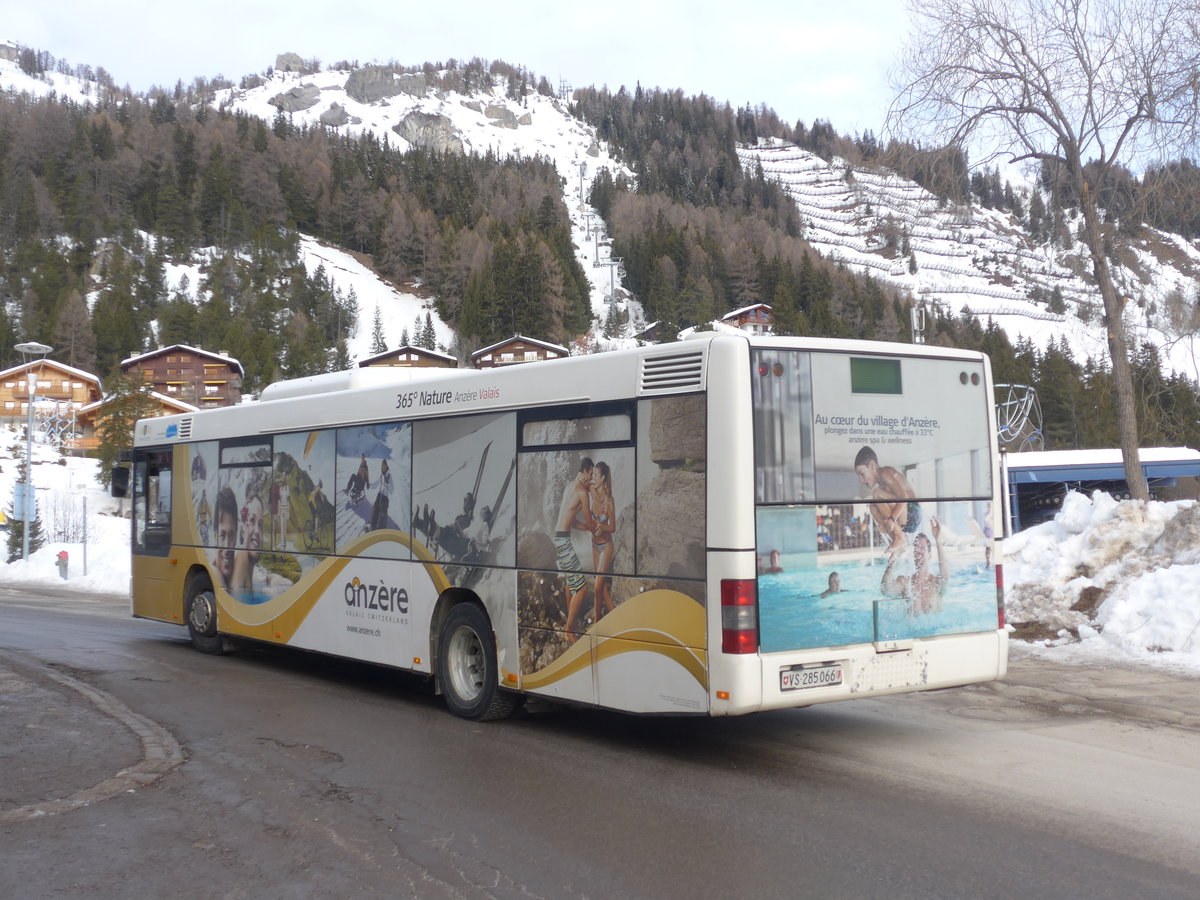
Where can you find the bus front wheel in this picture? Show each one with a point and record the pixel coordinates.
(467, 667)
(200, 612)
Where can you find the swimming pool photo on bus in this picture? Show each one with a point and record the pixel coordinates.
(817, 592)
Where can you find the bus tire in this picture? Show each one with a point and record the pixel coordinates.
(467, 669)
(200, 613)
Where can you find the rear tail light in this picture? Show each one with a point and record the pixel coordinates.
(1000, 596)
(739, 615)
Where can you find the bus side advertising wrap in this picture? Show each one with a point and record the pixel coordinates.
(717, 526)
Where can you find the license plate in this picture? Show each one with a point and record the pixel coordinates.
(799, 678)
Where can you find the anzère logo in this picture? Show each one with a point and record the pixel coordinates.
(376, 596)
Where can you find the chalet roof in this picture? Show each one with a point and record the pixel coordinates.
(180, 405)
(228, 360)
(62, 367)
(409, 348)
(745, 309)
(522, 339)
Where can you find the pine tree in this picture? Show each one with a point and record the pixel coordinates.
(348, 314)
(429, 334)
(378, 341)
(1056, 303)
(127, 400)
(612, 322)
(16, 527)
(74, 337)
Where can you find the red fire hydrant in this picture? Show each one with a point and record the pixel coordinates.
(62, 563)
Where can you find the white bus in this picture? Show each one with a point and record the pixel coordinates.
(717, 526)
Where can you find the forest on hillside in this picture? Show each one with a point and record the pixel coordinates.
(99, 198)
(107, 195)
(698, 233)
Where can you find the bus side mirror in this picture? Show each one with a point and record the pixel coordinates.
(119, 485)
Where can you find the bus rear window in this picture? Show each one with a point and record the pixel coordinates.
(874, 375)
(817, 415)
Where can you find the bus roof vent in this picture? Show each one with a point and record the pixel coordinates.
(673, 372)
(185, 429)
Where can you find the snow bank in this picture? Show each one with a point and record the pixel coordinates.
(1108, 578)
(65, 487)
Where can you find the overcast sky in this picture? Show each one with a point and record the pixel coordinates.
(806, 59)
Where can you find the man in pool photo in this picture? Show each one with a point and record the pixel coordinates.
(898, 514)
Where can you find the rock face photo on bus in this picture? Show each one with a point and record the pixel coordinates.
(464, 511)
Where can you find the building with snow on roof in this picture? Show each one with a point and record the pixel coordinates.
(756, 319)
(199, 377)
(516, 349)
(410, 357)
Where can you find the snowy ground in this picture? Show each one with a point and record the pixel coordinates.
(1105, 581)
(64, 486)
(1108, 579)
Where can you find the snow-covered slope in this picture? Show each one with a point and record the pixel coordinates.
(414, 112)
(978, 258)
(972, 258)
(483, 121)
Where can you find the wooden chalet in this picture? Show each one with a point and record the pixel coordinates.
(756, 319)
(89, 438)
(516, 349)
(62, 391)
(410, 357)
(198, 377)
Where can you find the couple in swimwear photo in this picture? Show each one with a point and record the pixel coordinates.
(587, 506)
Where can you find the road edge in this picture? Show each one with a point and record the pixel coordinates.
(161, 753)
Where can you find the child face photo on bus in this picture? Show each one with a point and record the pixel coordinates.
(226, 537)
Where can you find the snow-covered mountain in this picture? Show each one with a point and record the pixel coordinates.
(965, 257)
(406, 111)
(982, 259)
(961, 257)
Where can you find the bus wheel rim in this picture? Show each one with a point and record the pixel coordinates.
(466, 663)
(201, 612)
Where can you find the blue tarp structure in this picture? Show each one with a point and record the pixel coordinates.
(1038, 481)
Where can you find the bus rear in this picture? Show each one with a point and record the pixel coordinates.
(874, 502)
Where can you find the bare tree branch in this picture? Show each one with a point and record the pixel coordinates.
(1101, 84)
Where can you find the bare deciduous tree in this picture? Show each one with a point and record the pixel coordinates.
(1104, 84)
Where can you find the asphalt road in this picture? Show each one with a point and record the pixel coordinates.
(130, 765)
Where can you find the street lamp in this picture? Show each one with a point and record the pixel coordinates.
(28, 349)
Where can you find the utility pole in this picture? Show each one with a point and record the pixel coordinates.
(28, 349)
(613, 262)
(918, 322)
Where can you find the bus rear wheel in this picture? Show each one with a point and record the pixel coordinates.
(467, 667)
(200, 613)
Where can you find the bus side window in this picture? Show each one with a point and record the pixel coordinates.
(152, 503)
